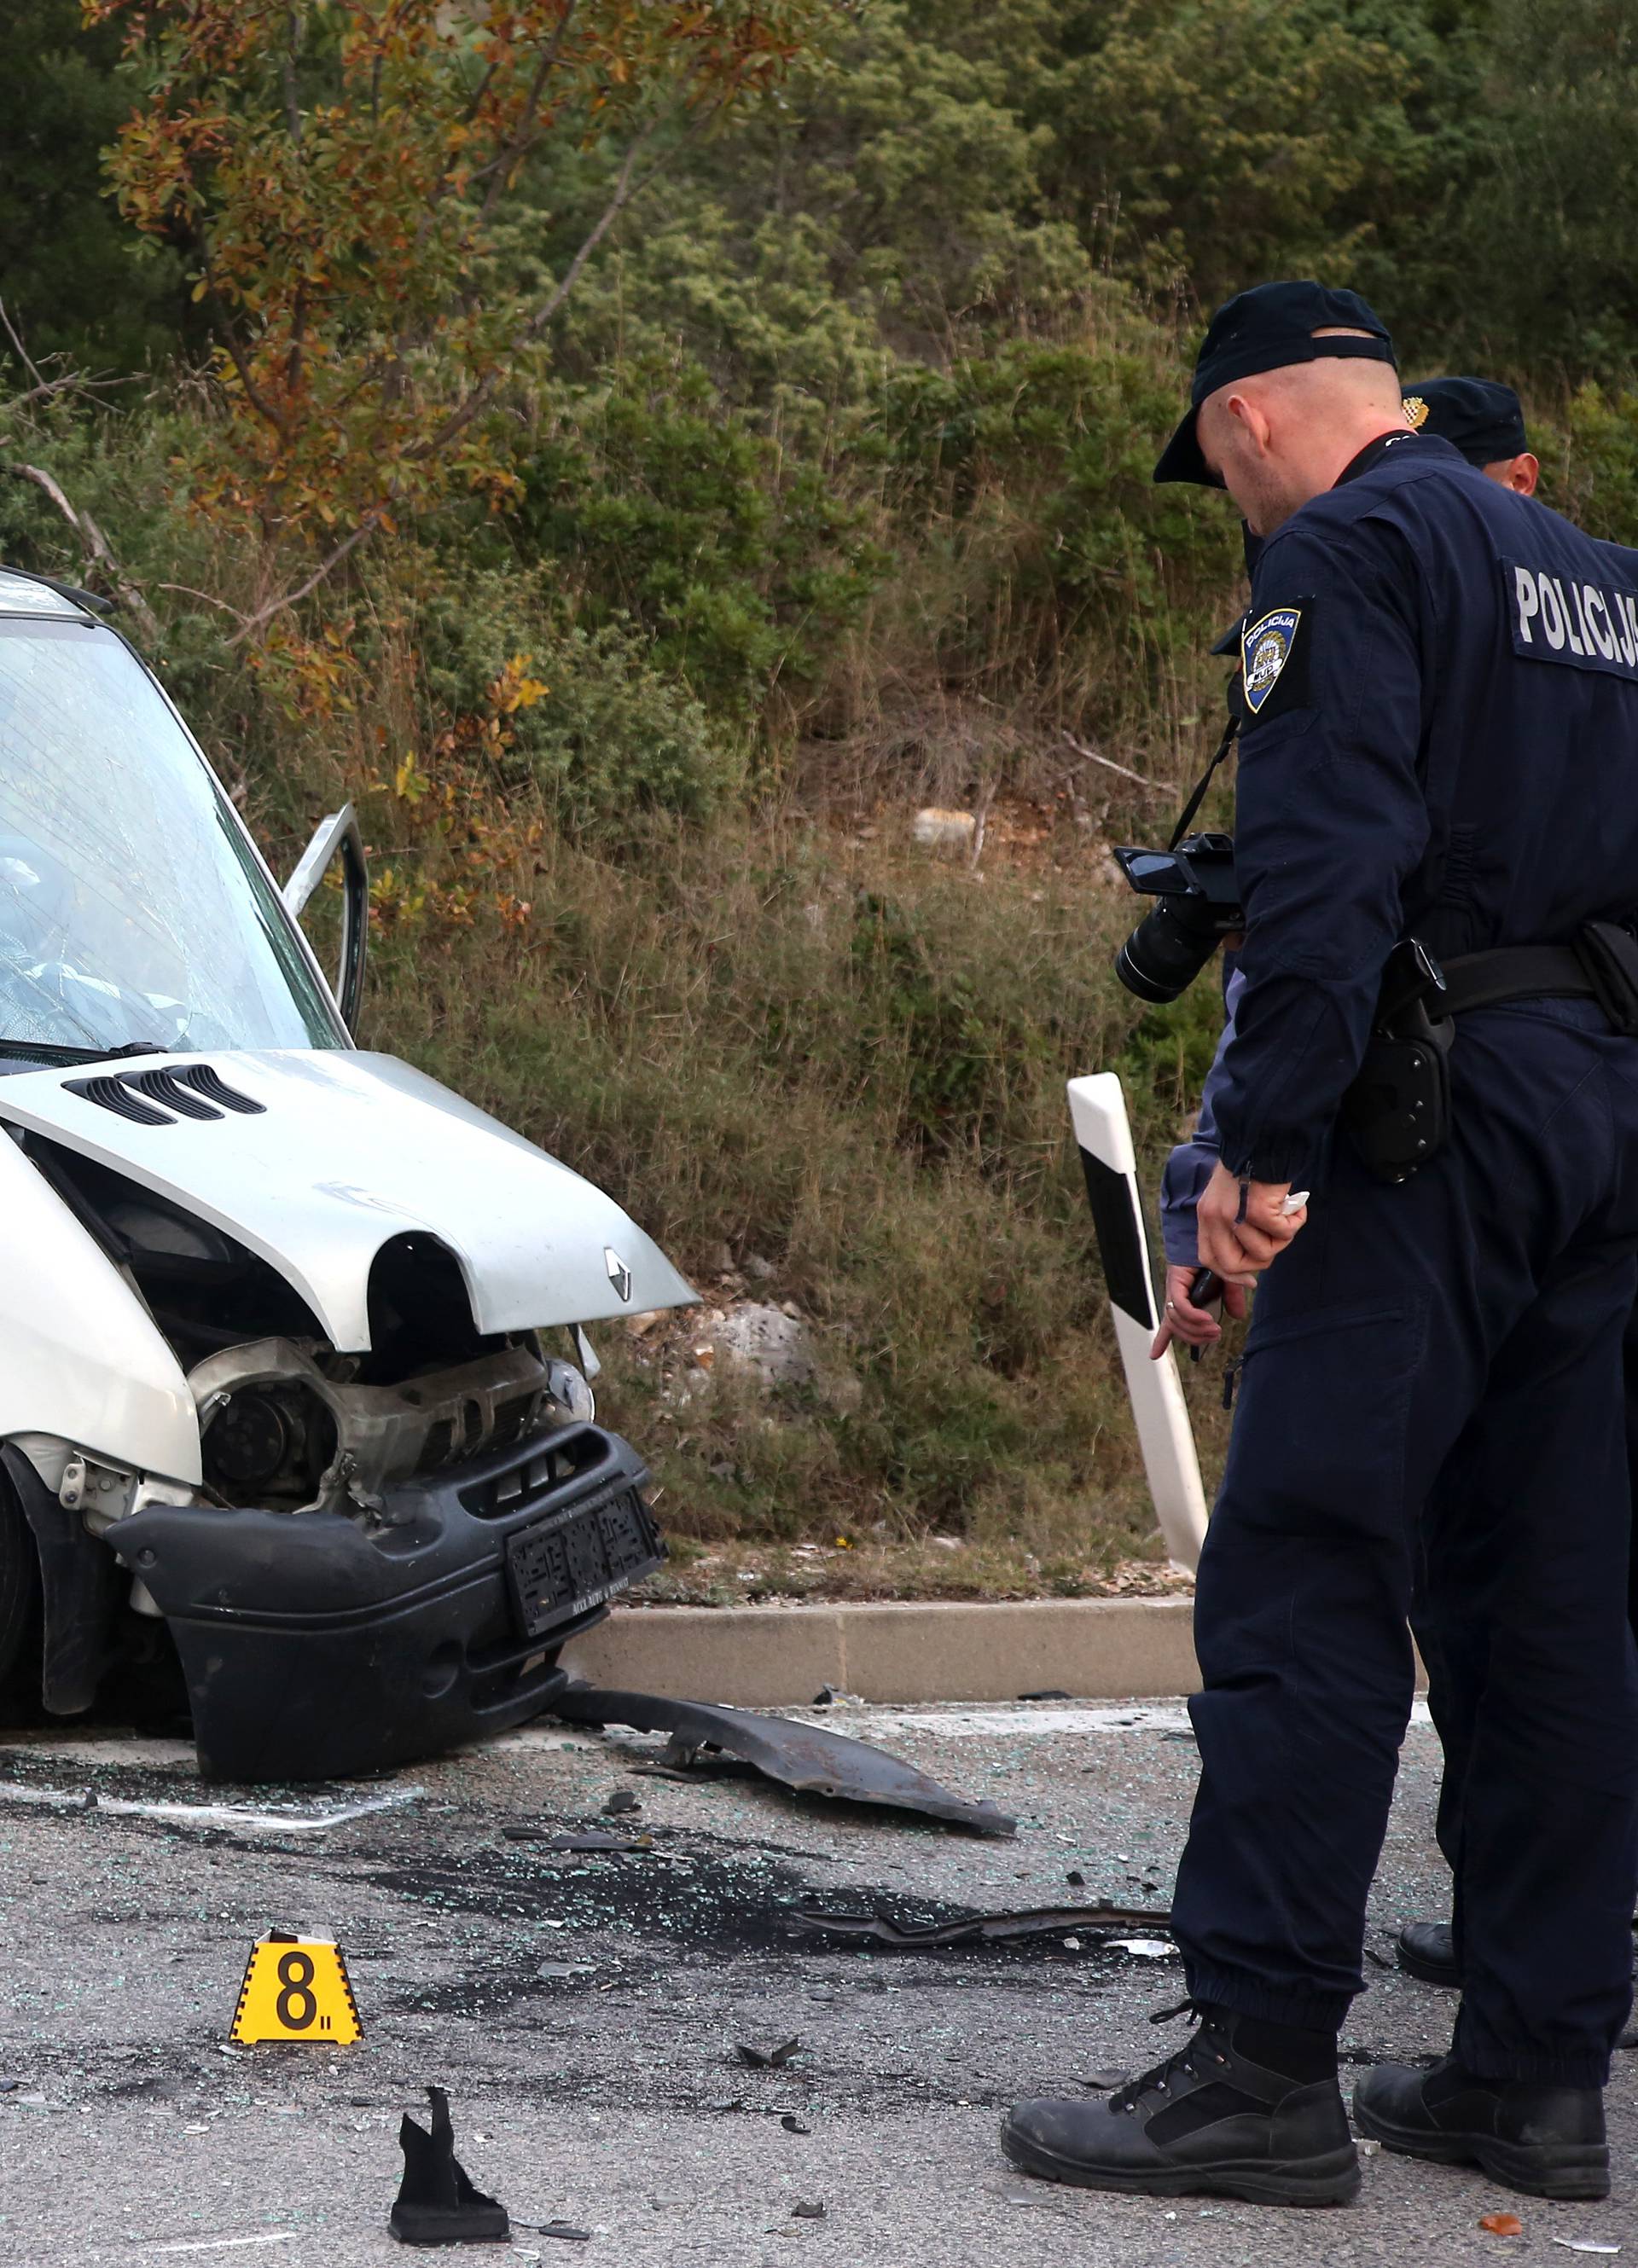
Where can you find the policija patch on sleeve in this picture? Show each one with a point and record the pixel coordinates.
(1273, 659)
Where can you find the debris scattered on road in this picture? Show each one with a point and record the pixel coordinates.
(792, 2124)
(623, 1799)
(807, 2212)
(1047, 1693)
(985, 1929)
(768, 2058)
(1146, 1948)
(565, 2229)
(595, 1838)
(1381, 1960)
(550, 1970)
(1584, 2244)
(437, 2203)
(1502, 2224)
(805, 1757)
(1106, 2079)
(1076, 1879)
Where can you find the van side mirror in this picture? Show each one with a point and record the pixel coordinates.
(338, 835)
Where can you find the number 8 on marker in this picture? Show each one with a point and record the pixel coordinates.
(296, 1988)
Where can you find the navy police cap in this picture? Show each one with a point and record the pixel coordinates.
(1269, 327)
(1478, 416)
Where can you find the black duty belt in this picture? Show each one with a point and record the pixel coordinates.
(1602, 965)
(1511, 972)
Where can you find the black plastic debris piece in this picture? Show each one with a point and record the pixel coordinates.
(595, 1839)
(805, 1757)
(1047, 1693)
(623, 1799)
(565, 2229)
(826, 1696)
(792, 2124)
(435, 2202)
(1076, 1879)
(768, 2058)
(807, 2212)
(979, 1929)
(1380, 1959)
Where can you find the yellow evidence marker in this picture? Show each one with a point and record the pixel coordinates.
(296, 1988)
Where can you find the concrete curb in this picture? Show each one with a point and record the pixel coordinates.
(779, 1657)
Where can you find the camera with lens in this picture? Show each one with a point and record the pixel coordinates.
(1198, 906)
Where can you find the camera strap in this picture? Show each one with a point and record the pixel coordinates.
(1197, 796)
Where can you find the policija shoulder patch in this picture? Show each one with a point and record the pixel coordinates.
(1270, 658)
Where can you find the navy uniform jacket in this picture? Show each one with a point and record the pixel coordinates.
(1441, 741)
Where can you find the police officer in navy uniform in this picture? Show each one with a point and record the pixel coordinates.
(1437, 854)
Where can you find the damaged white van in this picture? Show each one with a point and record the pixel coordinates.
(291, 1355)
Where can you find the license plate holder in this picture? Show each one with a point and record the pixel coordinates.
(563, 1567)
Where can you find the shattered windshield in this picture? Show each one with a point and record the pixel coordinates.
(131, 910)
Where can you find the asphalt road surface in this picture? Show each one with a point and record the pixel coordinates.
(585, 2011)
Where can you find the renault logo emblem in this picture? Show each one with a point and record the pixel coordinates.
(619, 1274)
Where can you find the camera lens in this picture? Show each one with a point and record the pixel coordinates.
(1162, 956)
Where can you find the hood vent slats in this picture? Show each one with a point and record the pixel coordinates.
(161, 1094)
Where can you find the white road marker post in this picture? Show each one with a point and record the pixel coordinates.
(1097, 1110)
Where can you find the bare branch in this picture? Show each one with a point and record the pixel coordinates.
(93, 543)
(523, 140)
(1091, 756)
(187, 590)
(625, 190)
(326, 567)
(22, 353)
(70, 382)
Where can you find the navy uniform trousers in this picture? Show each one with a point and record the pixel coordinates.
(1432, 1403)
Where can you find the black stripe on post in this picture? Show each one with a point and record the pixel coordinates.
(1116, 1224)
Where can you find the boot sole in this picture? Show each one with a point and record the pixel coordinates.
(1330, 2179)
(1444, 1973)
(1567, 2173)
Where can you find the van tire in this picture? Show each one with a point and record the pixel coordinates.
(19, 1587)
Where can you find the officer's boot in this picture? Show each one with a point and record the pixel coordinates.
(1428, 1950)
(1246, 2109)
(1547, 2142)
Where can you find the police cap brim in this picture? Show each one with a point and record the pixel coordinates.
(1181, 460)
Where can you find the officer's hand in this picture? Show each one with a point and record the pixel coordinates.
(1236, 1248)
(1194, 1326)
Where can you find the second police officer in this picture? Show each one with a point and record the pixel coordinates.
(1437, 844)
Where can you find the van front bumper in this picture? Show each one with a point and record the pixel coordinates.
(315, 1649)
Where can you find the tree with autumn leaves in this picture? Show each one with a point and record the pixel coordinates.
(336, 173)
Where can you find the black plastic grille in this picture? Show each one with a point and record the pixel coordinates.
(159, 1087)
(114, 1095)
(205, 1079)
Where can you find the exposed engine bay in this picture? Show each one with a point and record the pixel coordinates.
(287, 1422)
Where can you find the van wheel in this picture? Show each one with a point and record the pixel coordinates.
(19, 1587)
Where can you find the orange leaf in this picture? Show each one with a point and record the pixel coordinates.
(1502, 2224)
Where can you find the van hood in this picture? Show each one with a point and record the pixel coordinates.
(314, 1160)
